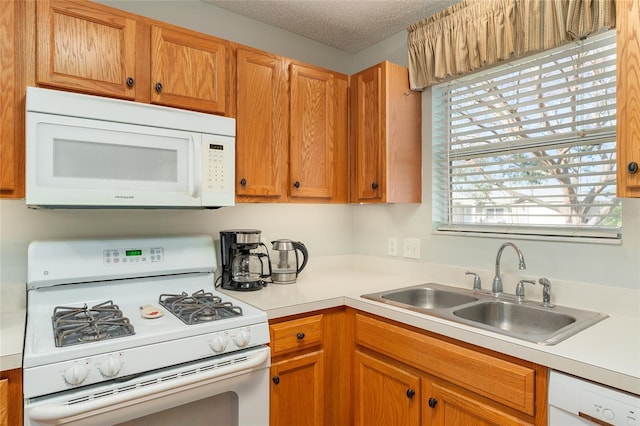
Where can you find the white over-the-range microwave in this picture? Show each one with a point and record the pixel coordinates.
(86, 151)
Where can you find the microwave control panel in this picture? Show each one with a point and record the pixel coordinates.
(218, 169)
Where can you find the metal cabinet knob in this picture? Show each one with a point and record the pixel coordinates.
(296, 185)
(632, 167)
(158, 87)
(300, 336)
(276, 380)
(374, 185)
(410, 393)
(130, 81)
(243, 182)
(433, 402)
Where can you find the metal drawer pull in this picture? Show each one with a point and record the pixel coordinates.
(300, 336)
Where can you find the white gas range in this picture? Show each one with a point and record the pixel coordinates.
(108, 338)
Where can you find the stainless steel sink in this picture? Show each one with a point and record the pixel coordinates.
(428, 297)
(523, 320)
(515, 318)
(424, 297)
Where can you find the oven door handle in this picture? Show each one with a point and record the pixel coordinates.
(57, 414)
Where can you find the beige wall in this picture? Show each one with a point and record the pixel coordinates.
(326, 229)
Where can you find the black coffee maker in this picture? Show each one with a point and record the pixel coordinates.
(245, 260)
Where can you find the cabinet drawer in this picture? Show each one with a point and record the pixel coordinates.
(296, 334)
(505, 382)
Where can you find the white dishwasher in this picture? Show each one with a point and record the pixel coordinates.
(573, 401)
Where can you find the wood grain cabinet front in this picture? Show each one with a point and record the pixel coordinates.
(628, 98)
(11, 397)
(458, 383)
(297, 372)
(386, 394)
(188, 70)
(292, 130)
(86, 47)
(386, 141)
(12, 155)
(92, 48)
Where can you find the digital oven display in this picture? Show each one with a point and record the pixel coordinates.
(133, 252)
(216, 147)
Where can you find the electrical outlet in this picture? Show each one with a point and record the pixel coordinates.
(412, 248)
(392, 246)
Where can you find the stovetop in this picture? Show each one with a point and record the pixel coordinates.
(199, 307)
(73, 325)
(40, 341)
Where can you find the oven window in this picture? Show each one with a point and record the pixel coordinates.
(218, 410)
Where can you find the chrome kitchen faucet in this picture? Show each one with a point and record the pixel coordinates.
(496, 287)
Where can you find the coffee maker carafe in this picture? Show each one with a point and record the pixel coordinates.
(245, 260)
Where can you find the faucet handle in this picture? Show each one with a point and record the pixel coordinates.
(477, 285)
(546, 293)
(520, 289)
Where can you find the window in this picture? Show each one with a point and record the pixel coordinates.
(529, 147)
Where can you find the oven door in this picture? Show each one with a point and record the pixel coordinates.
(228, 390)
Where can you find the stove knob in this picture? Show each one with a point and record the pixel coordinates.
(219, 344)
(242, 339)
(110, 367)
(76, 374)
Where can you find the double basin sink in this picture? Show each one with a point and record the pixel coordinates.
(526, 320)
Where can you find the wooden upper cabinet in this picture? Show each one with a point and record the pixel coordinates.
(628, 98)
(188, 70)
(318, 135)
(11, 157)
(370, 135)
(86, 47)
(262, 126)
(386, 156)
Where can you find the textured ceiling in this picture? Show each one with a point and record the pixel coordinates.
(349, 25)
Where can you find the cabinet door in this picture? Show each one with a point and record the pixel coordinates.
(445, 405)
(188, 70)
(11, 158)
(370, 135)
(385, 394)
(297, 391)
(11, 401)
(4, 402)
(628, 98)
(86, 47)
(312, 139)
(262, 127)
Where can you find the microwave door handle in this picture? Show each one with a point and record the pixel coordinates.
(196, 183)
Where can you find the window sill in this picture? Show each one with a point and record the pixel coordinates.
(514, 236)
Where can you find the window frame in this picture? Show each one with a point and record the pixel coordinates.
(442, 208)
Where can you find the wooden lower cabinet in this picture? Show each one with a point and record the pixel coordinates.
(345, 367)
(11, 397)
(385, 394)
(297, 390)
(455, 383)
(447, 405)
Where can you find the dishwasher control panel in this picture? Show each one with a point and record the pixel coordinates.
(590, 402)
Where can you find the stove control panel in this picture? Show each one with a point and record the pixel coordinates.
(133, 255)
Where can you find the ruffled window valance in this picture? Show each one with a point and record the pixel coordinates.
(476, 33)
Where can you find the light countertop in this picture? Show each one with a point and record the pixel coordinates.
(12, 325)
(607, 352)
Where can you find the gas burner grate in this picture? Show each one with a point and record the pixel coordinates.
(74, 325)
(199, 307)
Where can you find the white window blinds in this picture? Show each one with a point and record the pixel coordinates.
(529, 147)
